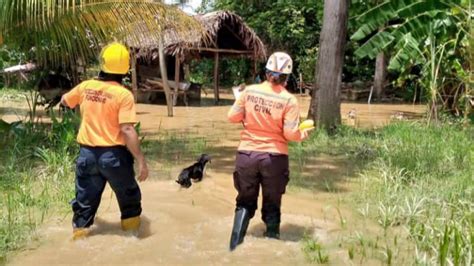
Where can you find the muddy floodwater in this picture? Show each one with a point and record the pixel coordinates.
(192, 226)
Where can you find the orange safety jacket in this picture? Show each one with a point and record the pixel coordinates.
(270, 116)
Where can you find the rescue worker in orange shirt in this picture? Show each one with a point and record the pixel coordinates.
(108, 143)
(270, 116)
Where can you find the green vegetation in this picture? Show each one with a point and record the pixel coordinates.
(51, 27)
(428, 42)
(414, 179)
(36, 171)
(11, 94)
(313, 251)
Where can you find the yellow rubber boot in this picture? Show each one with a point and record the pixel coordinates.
(131, 224)
(79, 233)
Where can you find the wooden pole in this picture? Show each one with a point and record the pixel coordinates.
(177, 67)
(301, 83)
(216, 78)
(134, 77)
(164, 77)
(187, 72)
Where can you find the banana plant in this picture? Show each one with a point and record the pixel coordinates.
(58, 32)
(430, 34)
(409, 26)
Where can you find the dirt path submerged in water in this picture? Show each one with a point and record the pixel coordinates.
(193, 226)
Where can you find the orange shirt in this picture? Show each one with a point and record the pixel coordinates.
(270, 116)
(104, 106)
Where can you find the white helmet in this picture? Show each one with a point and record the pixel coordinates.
(280, 62)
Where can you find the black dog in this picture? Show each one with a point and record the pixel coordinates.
(194, 171)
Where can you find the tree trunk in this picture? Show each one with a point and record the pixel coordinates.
(325, 102)
(380, 75)
(164, 77)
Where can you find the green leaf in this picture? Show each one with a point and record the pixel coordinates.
(378, 17)
(423, 6)
(407, 51)
(375, 45)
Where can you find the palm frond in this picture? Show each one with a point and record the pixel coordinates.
(61, 31)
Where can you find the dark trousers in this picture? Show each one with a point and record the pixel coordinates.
(268, 170)
(96, 166)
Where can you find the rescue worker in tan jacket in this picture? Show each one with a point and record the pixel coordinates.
(108, 143)
(270, 116)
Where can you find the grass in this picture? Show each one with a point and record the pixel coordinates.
(12, 94)
(415, 182)
(36, 177)
(314, 251)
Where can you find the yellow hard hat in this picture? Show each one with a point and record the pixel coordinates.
(280, 62)
(115, 59)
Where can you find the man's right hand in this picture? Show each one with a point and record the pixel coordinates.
(142, 170)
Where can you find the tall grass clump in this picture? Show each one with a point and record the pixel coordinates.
(314, 251)
(425, 176)
(36, 176)
(414, 177)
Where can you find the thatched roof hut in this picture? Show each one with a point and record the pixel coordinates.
(226, 35)
(225, 32)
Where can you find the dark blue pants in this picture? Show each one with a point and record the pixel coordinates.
(270, 171)
(96, 166)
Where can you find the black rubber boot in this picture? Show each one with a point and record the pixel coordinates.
(273, 231)
(241, 222)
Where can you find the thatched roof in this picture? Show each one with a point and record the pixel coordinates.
(224, 30)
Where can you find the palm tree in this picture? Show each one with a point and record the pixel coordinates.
(61, 31)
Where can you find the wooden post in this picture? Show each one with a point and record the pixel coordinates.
(301, 83)
(177, 67)
(134, 77)
(216, 78)
(164, 77)
(187, 72)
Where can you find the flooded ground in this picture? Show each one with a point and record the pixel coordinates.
(193, 226)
